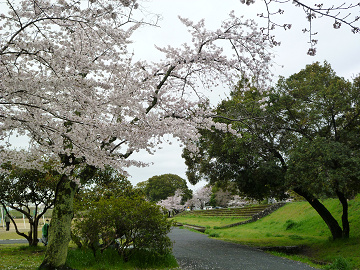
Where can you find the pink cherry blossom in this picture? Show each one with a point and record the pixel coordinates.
(70, 85)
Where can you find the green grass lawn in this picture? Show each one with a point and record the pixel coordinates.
(209, 222)
(20, 256)
(294, 224)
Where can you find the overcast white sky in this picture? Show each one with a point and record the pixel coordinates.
(341, 48)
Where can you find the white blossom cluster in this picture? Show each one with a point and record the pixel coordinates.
(68, 82)
(172, 202)
(200, 198)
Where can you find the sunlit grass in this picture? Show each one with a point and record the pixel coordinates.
(20, 257)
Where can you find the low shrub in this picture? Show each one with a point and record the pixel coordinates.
(109, 259)
(127, 224)
(340, 263)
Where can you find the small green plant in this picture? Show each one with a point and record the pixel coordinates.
(213, 234)
(290, 224)
(340, 263)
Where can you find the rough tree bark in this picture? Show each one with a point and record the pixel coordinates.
(345, 214)
(60, 226)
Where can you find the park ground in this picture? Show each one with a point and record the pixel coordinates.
(295, 224)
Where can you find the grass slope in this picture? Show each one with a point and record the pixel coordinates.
(296, 224)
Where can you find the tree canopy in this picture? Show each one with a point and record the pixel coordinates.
(160, 187)
(300, 136)
(30, 192)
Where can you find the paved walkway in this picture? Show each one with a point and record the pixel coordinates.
(14, 241)
(195, 251)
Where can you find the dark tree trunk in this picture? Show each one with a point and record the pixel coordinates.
(34, 232)
(345, 216)
(60, 226)
(330, 221)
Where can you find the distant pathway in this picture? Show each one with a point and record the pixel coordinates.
(195, 251)
(13, 241)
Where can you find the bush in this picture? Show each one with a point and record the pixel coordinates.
(83, 258)
(340, 263)
(128, 224)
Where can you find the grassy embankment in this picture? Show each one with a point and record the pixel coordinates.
(295, 224)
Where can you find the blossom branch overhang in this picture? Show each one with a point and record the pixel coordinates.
(23, 27)
(326, 12)
(55, 115)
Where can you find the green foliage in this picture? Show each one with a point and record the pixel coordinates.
(290, 224)
(251, 160)
(212, 201)
(99, 184)
(24, 257)
(160, 187)
(24, 190)
(332, 167)
(109, 259)
(115, 215)
(340, 263)
(302, 135)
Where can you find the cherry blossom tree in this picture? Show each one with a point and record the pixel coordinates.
(70, 85)
(173, 202)
(238, 201)
(338, 14)
(200, 198)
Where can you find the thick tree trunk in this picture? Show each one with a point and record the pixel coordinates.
(59, 230)
(345, 214)
(330, 221)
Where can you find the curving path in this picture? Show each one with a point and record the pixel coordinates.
(195, 251)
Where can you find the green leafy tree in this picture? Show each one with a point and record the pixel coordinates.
(30, 192)
(101, 183)
(321, 111)
(160, 187)
(299, 136)
(248, 162)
